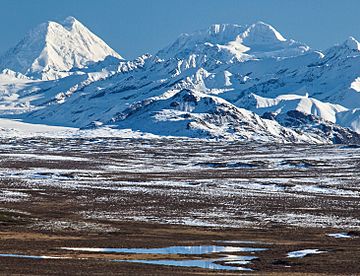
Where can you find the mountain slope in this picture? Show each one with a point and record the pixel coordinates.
(194, 114)
(52, 49)
(246, 83)
(331, 76)
(285, 103)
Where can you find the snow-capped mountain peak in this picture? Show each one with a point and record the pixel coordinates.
(71, 22)
(261, 33)
(225, 82)
(230, 41)
(216, 34)
(52, 49)
(349, 48)
(352, 44)
(220, 33)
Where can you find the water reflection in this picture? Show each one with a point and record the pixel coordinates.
(183, 250)
(30, 256)
(223, 262)
(209, 264)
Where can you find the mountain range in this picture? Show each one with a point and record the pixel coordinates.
(245, 83)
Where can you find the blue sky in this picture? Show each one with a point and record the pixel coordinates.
(133, 27)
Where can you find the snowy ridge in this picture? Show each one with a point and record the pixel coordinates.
(194, 114)
(245, 83)
(233, 42)
(285, 103)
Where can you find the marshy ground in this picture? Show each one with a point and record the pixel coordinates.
(134, 193)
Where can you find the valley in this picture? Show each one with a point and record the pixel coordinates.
(116, 193)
